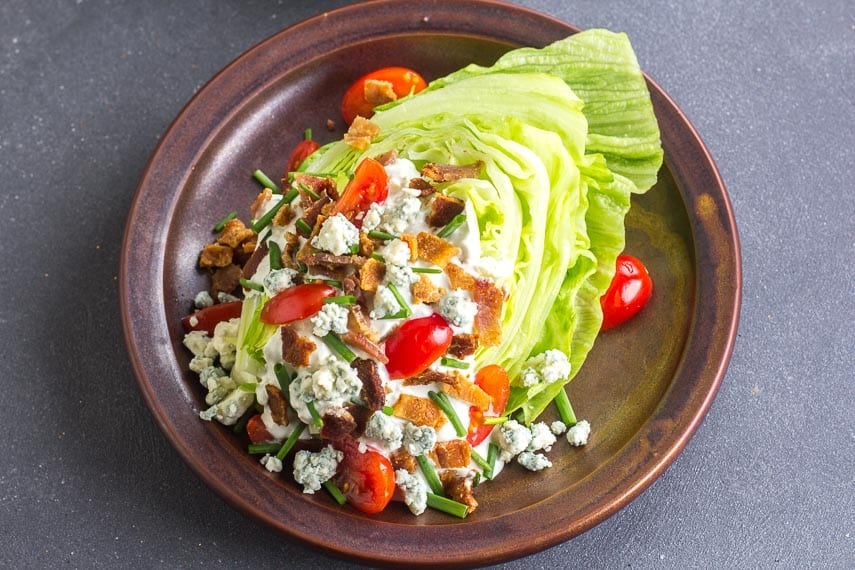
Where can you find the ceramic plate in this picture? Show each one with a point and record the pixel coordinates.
(645, 386)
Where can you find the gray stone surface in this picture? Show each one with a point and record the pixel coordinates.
(86, 478)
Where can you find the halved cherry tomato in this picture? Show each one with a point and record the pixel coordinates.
(366, 479)
(295, 303)
(208, 318)
(416, 344)
(367, 186)
(494, 380)
(303, 149)
(629, 291)
(404, 81)
(257, 431)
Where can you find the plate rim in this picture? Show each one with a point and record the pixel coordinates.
(410, 8)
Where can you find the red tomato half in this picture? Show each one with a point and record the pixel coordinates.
(367, 186)
(416, 344)
(208, 318)
(295, 303)
(300, 153)
(366, 479)
(494, 380)
(629, 291)
(257, 431)
(404, 81)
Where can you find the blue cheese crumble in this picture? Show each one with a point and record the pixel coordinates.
(331, 318)
(337, 235)
(541, 437)
(385, 303)
(271, 463)
(384, 429)
(418, 440)
(512, 438)
(413, 489)
(547, 367)
(578, 434)
(533, 461)
(311, 470)
(331, 384)
(278, 280)
(458, 309)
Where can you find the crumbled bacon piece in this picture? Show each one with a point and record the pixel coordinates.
(443, 209)
(278, 404)
(366, 245)
(400, 459)
(371, 274)
(216, 255)
(377, 92)
(289, 252)
(451, 172)
(413, 243)
(429, 377)
(434, 249)
(463, 345)
(358, 322)
(458, 278)
(320, 185)
(234, 233)
(225, 279)
(387, 158)
(296, 349)
(312, 214)
(338, 424)
(488, 320)
(372, 393)
(331, 262)
(420, 411)
(283, 216)
(361, 133)
(459, 488)
(260, 200)
(361, 342)
(451, 454)
(424, 187)
(424, 291)
(463, 389)
(251, 265)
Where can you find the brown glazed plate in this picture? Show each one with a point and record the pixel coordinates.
(644, 388)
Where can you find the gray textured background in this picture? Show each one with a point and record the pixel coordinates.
(86, 478)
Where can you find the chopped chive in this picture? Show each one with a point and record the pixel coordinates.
(302, 266)
(335, 492)
(308, 190)
(341, 300)
(454, 363)
(315, 174)
(426, 270)
(316, 417)
(265, 181)
(263, 448)
(307, 134)
(430, 475)
(289, 197)
(247, 284)
(405, 308)
(565, 410)
(333, 283)
(303, 227)
(378, 257)
(482, 463)
(337, 345)
(222, 223)
(282, 376)
(441, 400)
(492, 455)
(266, 235)
(275, 255)
(248, 387)
(381, 235)
(265, 220)
(290, 442)
(388, 410)
(447, 505)
(455, 223)
(354, 249)
(494, 420)
(476, 480)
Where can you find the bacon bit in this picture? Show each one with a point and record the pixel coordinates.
(358, 322)
(260, 200)
(296, 350)
(234, 233)
(252, 264)
(338, 424)
(463, 389)
(459, 488)
(413, 243)
(278, 404)
(330, 125)
(312, 215)
(371, 274)
(429, 377)
(400, 459)
(292, 242)
(283, 216)
(424, 187)
(451, 172)
(245, 250)
(420, 411)
(366, 245)
(434, 249)
(361, 342)
(424, 291)
(331, 262)
(225, 279)
(488, 320)
(458, 278)
(320, 185)
(443, 209)
(372, 392)
(361, 133)
(387, 158)
(452, 454)
(377, 92)
(463, 345)
(216, 255)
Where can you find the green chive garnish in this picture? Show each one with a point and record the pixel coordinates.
(247, 284)
(482, 463)
(447, 505)
(354, 249)
(388, 410)
(316, 417)
(333, 283)
(492, 456)
(263, 448)
(454, 363)
(337, 345)
(307, 134)
(305, 188)
(441, 400)
(405, 308)
(426, 270)
(265, 220)
(265, 181)
(303, 227)
(290, 442)
(378, 257)
(494, 420)
(282, 376)
(455, 223)
(230, 216)
(341, 300)
(565, 410)
(335, 492)
(430, 475)
(381, 235)
(275, 255)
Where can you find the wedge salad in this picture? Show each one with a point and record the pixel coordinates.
(401, 309)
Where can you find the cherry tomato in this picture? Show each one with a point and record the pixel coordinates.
(302, 151)
(366, 479)
(629, 291)
(494, 380)
(416, 344)
(295, 303)
(367, 186)
(257, 431)
(404, 81)
(208, 318)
